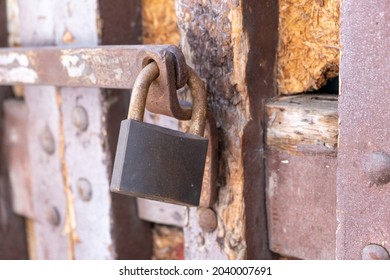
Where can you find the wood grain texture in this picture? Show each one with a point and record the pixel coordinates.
(222, 41)
(303, 124)
(301, 158)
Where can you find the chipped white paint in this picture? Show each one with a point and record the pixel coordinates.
(14, 58)
(73, 65)
(18, 75)
(284, 161)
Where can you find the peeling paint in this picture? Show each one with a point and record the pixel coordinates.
(18, 75)
(14, 58)
(73, 65)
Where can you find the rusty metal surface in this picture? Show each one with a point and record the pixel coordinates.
(301, 199)
(362, 204)
(107, 67)
(16, 149)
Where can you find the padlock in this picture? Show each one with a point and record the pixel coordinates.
(158, 163)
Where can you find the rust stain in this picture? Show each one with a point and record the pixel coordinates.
(68, 38)
(70, 221)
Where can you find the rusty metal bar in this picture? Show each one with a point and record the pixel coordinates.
(363, 176)
(105, 67)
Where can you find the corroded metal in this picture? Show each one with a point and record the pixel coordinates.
(207, 219)
(106, 67)
(376, 165)
(141, 91)
(80, 118)
(84, 189)
(363, 209)
(375, 252)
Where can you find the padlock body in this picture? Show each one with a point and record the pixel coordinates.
(159, 163)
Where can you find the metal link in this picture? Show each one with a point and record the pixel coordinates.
(140, 91)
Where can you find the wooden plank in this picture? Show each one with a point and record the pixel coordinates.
(107, 225)
(51, 233)
(240, 43)
(302, 133)
(102, 226)
(19, 167)
(303, 124)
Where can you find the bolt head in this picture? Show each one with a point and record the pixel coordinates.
(375, 252)
(207, 219)
(84, 189)
(80, 118)
(377, 168)
(46, 139)
(53, 216)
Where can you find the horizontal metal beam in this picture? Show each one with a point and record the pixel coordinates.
(104, 67)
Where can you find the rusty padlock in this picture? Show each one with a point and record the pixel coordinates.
(159, 163)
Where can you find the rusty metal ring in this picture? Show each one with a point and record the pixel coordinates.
(140, 91)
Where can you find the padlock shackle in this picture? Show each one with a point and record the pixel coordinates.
(140, 91)
(198, 91)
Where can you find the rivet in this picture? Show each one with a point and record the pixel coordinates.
(80, 118)
(84, 189)
(377, 168)
(375, 252)
(46, 139)
(207, 219)
(53, 216)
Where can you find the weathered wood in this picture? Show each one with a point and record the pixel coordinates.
(13, 243)
(94, 224)
(303, 124)
(302, 133)
(226, 53)
(107, 225)
(50, 235)
(308, 51)
(16, 146)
